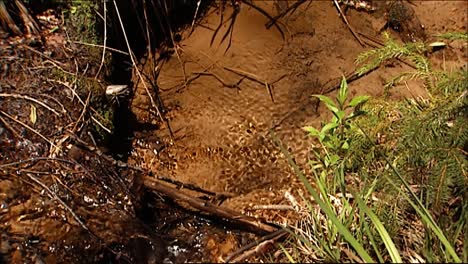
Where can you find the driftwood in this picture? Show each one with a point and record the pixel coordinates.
(224, 213)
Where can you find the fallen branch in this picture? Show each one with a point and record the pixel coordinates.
(19, 96)
(207, 207)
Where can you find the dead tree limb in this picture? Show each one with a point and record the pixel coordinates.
(224, 213)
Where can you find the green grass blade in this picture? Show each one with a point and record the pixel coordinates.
(372, 241)
(290, 258)
(425, 216)
(419, 207)
(327, 210)
(392, 250)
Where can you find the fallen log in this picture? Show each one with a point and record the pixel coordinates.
(227, 214)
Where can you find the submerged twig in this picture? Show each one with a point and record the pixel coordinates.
(272, 207)
(55, 196)
(192, 187)
(347, 23)
(293, 6)
(253, 77)
(263, 12)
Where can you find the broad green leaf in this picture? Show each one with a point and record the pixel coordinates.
(329, 127)
(343, 93)
(358, 100)
(345, 145)
(356, 114)
(340, 115)
(328, 102)
(311, 130)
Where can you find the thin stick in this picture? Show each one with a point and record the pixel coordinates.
(10, 127)
(223, 82)
(54, 195)
(244, 251)
(293, 6)
(347, 23)
(84, 104)
(153, 103)
(19, 96)
(101, 46)
(263, 12)
(28, 127)
(35, 159)
(193, 187)
(253, 77)
(272, 207)
(105, 41)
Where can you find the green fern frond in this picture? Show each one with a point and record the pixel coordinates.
(406, 76)
(374, 58)
(453, 82)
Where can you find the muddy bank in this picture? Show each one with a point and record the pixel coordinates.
(64, 199)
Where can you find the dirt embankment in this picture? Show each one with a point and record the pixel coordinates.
(62, 200)
(223, 117)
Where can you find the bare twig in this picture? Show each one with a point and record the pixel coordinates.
(246, 251)
(253, 77)
(221, 80)
(19, 96)
(33, 160)
(101, 46)
(105, 41)
(84, 104)
(293, 6)
(272, 207)
(10, 127)
(29, 128)
(193, 187)
(55, 196)
(347, 23)
(58, 64)
(263, 12)
(153, 103)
